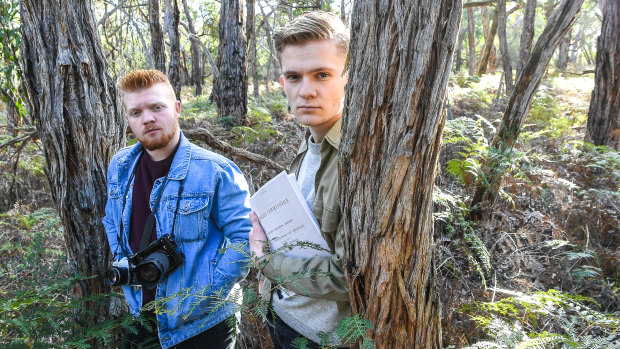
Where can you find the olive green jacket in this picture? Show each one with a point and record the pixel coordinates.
(329, 282)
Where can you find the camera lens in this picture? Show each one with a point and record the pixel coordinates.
(149, 273)
(116, 276)
(151, 270)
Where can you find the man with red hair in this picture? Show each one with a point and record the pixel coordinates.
(166, 191)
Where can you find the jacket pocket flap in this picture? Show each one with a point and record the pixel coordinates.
(189, 205)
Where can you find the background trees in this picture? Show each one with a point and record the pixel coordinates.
(555, 219)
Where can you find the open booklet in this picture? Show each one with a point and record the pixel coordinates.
(286, 218)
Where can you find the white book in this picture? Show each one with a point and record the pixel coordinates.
(286, 218)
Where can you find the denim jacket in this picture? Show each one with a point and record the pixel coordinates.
(211, 230)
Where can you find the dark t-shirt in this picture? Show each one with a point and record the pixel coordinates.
(147, 171)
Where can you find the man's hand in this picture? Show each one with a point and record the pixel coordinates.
(258, 239)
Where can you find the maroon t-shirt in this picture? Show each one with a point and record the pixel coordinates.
(147, 171)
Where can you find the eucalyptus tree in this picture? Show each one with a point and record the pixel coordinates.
(231, 87)
(390, 147)
(604, 114)
(78, 116)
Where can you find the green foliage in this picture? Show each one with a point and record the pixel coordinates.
(461, 232)
(353, 329)
(39, 312)
(598, 161)
(477, 99)
(548, 115)
(10, 73)
(549, 319)
(199, 108)
(467, 136)
(465, 81)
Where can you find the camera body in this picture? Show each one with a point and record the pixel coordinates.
(147, 267)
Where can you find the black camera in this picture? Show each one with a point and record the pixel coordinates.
(147, 267)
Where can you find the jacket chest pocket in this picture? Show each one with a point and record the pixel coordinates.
(191, 221)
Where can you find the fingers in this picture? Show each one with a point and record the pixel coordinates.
(254, 220)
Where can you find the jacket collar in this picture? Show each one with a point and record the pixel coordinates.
(333, 137)
(179, 166)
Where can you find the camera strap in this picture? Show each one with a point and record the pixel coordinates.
(150, 220)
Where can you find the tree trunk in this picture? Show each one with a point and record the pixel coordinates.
(79, 120)
(13, 119)
(604, 115)
(562, 59)
(471, 35)
(251, 32)
(459, 49)
(518, 106)
(391, 140)
(503, 45)
(488, 46)
(196, 53)
(174, 66)
(272, 50)
(157, 36)
(527, 35)
(232, 84)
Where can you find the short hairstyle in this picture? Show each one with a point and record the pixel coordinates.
(137, 80)
(315, 25)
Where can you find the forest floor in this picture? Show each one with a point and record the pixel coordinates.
(556, 226)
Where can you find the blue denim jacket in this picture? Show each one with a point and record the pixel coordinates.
(213, 215)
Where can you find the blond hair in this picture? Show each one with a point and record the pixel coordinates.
(315, 25)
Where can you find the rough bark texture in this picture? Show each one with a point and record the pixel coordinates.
(471, 36)
(391, 140)
(518, 106)
(503, 45)
(174, 66)
(604, 114)
(251, 34)
(158, 51)
(488, 46)
(196, 53)
(79, 121)
(527, 34)
(232, 84)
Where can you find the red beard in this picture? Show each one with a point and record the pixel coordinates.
(158, 143)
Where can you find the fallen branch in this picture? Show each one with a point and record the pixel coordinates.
(479, 3)
(587, 71)
(24, 138)
(208, 138)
